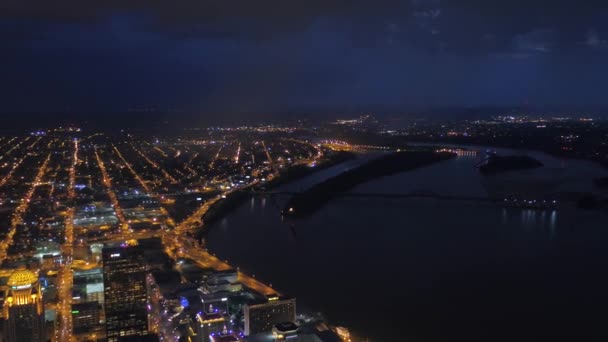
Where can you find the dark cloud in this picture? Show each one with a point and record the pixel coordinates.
(245, 54)
(239, 17)
(458, 25)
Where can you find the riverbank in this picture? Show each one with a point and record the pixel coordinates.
(440, 249)
(235, 199)
(549, 150)
(306, 203)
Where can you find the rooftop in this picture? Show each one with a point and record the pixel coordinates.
(22, 277)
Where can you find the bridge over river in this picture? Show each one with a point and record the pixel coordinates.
(548, 203)
(413, 194)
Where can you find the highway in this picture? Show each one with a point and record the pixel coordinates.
(66, 276)
(65, 279)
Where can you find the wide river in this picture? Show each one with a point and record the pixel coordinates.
(435, 270)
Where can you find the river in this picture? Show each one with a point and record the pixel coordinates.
(433, 270)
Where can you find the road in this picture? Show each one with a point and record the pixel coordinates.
(179, 243)
(182, 246)
(18, 213)
(137, 177)
(179, 240)
(65, 276)
(166, 174)
(107, 182)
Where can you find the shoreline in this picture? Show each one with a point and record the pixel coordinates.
(232, 201)
(470, 144)
(306, 203)
(599, 193)
(252, 265)
(218, 210)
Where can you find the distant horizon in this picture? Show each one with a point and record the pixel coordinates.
(179, 118)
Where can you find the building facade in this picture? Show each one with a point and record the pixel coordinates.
(125, 292)
(23, 308)
(208, 325)
(85, 316)
(260, 318)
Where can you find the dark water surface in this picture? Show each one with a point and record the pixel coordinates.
(431, 270)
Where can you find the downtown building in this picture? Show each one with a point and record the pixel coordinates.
(125, 292)
(209, 325)
(261, 318)
(23, 309)
(85, 317)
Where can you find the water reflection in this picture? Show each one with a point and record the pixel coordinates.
(410, 244)
(552, 224)
(531, 221)
(542, 218)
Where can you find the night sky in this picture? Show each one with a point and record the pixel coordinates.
(269, 55)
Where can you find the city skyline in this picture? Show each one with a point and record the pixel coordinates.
(204, 233)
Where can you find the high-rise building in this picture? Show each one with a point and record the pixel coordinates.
(88, 285)
(23, 308)
(85, 317)
(125, 293)
(260, 318)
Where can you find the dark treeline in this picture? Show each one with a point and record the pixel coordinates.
(307, 202)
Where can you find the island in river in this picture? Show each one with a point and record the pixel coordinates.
(287, 175)
(307, 202)
(498, 164)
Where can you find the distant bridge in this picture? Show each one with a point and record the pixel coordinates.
(413, 194)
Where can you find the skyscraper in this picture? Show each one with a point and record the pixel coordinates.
(85, 316)
(260, 318)
(125, 294)
(23, 308)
